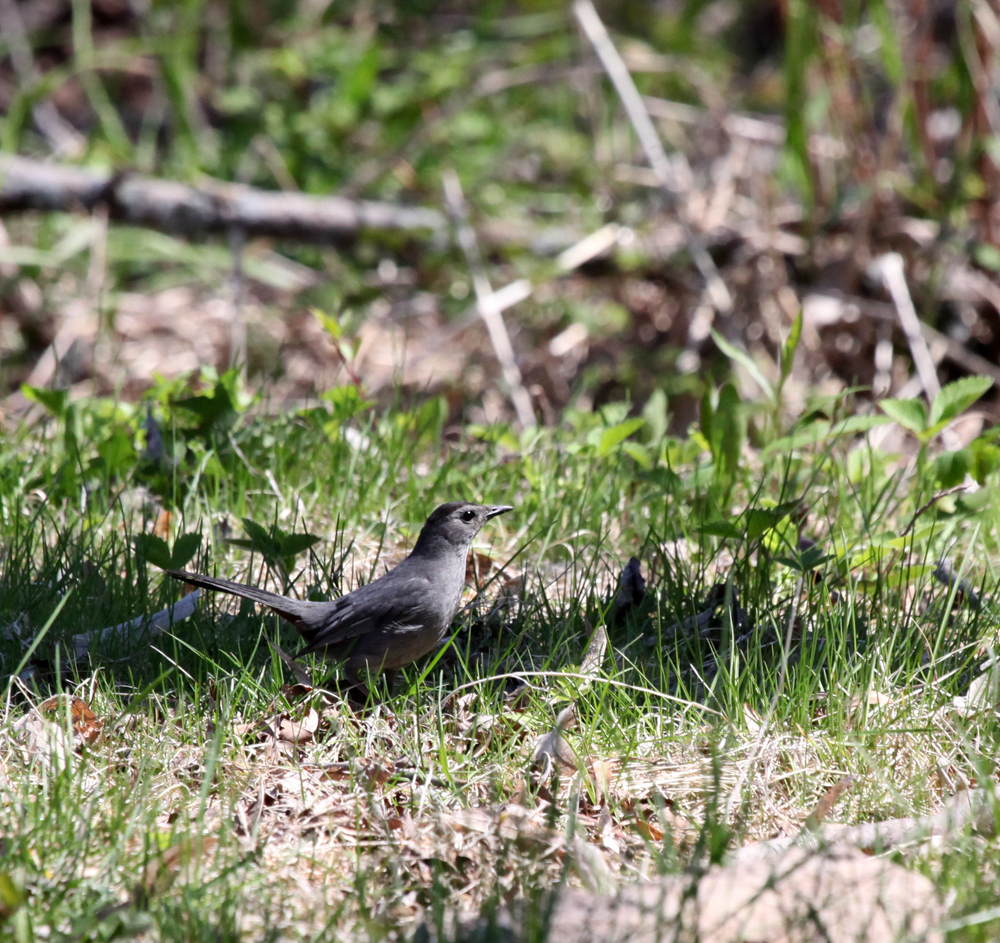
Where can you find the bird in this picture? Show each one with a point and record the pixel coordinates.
(393, 620)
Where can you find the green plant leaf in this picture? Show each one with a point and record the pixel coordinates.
(706, 419)
(721, 529)
(761, 519)
(154, 550)
(790, 346)
(294, 544)
(911, 414)
(742, 357)
(656, 416)
(53, 400)
(985, 460)
(900, 576)
(261, 537)
(639, 452)
(956, 397)
(185, 547)
(950, 468)
(613, 437)
(732, 434)
(808, 559)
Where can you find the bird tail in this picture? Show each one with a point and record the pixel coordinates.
(290, 609)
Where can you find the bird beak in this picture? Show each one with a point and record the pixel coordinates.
(497, 510)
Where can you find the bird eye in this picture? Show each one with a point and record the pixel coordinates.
(468, 515)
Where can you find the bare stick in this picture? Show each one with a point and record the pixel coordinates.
(675, 178)
(891, 268)
(975, 809)
(213, 207)
(589, 247)
(489, 310)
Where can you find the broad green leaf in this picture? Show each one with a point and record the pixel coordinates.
(731, 419)
(721, 529)
(855, 424)
(901, 576)
(640, 453)
(155, 550)
(759, 520)
(950, 468)
(346, 400)
(779, 537)
(820, 430)
(294, 544)
(656, 416)
(985, 460)
(618, 434)
(911, 414)
(328, 322)
(742, 357)
(988, 256)
(11, 897)
(262, 539)
(185, 547)
(706, 420)
(790, 346)
(809, 559)
(956, 397)
(817, 431)
(53, 400)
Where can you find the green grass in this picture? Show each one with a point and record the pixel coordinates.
(187, 819)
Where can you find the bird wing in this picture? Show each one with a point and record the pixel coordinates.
(366, 609)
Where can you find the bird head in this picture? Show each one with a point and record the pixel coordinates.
(456, 524)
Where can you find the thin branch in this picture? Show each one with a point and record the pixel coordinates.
(177, 208)
(675, 177)
(890, 267)
(489, 310)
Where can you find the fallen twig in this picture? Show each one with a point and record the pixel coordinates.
(674, 176)
(153, 625)
(975, 809)
(178, 208)
(488, 309)
(890, 267)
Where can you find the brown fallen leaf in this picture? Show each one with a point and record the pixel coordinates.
(87, 727)
(161, 528)
(301, 731)
(828, 801)
(478, 566)
(551, 749)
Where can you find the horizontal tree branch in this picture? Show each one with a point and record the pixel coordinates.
(182, 209)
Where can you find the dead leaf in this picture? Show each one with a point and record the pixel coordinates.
(470, 820)
(552, 751)
(828, 801)
(592, 867)
(299, 732)
(649, 830)
(478, 566)
(297, 691)
(161, 528)
(596, 648)
(87, 727)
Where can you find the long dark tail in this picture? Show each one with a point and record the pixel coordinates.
(291, 609)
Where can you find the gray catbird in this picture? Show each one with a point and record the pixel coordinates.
(398, 617)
